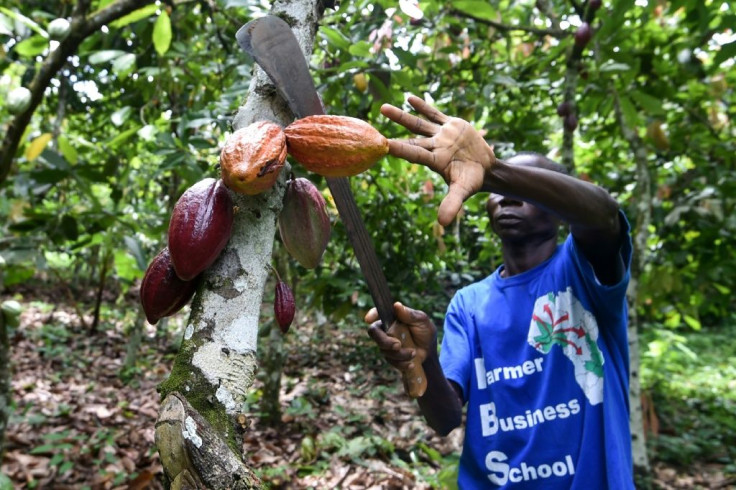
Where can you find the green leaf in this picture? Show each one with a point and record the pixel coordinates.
(476, 8)
(135, 16)
(694, 323)
(613, 67)
(727, 52)
(33, 46)
(162, 33)
(631, 116)
(104, 56)
(25, 20)
(66, 148)
(361, 49)
(124, 64)
(650, 104)
(119, 117)
(334, 37)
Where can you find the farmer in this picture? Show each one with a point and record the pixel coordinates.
(538, 350)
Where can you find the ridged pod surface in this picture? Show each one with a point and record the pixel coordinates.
(252, 158)
(335, 146)
(304, 225)
(200, 227)
(163, 293)
(284, 306)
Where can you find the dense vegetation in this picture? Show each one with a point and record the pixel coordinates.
(138, 111)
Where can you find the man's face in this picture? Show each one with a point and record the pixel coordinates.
(512, 219)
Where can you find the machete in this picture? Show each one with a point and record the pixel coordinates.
(271, 42)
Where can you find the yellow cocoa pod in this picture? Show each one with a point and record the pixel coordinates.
(335, 146)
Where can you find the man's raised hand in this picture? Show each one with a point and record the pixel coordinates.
(451, 147)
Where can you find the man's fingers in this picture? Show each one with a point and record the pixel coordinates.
(384, 341)
(407, 315)
(371, 316)
(413, 123)
(451, 204)
(413, 153)
(427, 110)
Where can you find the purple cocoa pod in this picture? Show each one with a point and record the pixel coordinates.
(303, 223)
(583, 35)
(284, 306)
(200, 227)
(163, 293)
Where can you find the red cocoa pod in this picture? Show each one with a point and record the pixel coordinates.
(252, 158)
(304, 225)
(571, 122)
(200, 227)
(563, 109)
(335, 146)
(284, 306)
(583, 35)
(163, 293)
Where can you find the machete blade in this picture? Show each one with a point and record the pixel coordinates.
(271, 42)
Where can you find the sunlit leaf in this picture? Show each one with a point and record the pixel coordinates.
(66, 148)
(37, 145)
(135, 16)
(124, 64)
(476, 8)
(104, 56)
(334, 37)
(30, 23)
(32, 46)
(162, 33)
(119, 117)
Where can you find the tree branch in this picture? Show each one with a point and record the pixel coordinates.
(509, 28)
(81, 28)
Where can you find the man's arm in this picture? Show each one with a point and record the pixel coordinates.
(456, 151)
(593, 215)
(441, 403)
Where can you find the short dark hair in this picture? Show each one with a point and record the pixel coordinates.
(543, 161)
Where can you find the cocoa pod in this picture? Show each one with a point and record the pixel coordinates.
(284, 307)
(571, 122)
(200, 227)
(583, 35)
(304, 225)
(163, 293)
(563, 109)
(335, 146)
(594, 4)
(252, 158)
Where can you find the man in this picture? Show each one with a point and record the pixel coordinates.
(538, 350)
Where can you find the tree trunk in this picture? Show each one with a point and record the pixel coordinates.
(640, 233)
(4, 380)
(200, 426)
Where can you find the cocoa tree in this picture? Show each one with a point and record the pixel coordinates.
(200, 426)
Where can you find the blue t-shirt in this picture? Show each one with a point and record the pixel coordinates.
(542, 360)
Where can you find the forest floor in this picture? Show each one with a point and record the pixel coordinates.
(82, 421)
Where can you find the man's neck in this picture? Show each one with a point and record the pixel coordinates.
(519, 257)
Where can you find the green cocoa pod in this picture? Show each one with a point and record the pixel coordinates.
(59, 29)
(200, 227)
(303, 223)
(18, 100)
(163, 293)
(11, 311)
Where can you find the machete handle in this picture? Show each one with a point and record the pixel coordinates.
(415, 381)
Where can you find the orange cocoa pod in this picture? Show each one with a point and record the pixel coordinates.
(335, 146)
(252, 158)
(163, 293)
